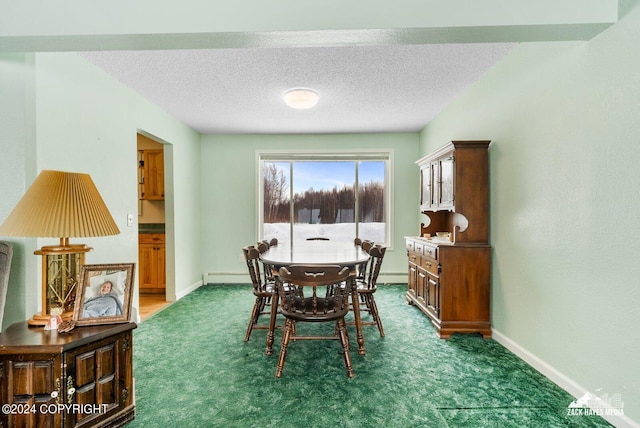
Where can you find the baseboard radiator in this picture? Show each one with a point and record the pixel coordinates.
(243, 278)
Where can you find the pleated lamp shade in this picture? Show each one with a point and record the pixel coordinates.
(60, 205)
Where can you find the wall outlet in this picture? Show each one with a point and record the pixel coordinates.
(241, 258)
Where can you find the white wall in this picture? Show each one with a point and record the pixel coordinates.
(564, 120)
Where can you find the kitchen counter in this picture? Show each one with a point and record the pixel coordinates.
(151, 228)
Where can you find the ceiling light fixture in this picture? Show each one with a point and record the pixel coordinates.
(301, 98)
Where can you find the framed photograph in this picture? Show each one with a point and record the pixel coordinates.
(104, 294)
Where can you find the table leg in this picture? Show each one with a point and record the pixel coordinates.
(355, 304)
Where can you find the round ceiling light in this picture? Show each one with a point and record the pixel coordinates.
(301, 98)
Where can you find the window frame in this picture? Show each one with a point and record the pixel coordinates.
(385, 155)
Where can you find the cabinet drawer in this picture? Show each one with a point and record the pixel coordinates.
(410, 245)
(430, 265)
(430, 251)
(414, 258)
(417, 247)
(151, 238)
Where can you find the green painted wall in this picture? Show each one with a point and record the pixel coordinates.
(564, 120)
(17, 146)
(229, 192)
(376, 20)
(78, 118)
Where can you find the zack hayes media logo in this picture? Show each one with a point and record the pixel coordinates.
(597, 405)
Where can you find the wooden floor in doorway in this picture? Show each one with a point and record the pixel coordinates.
(151, 303)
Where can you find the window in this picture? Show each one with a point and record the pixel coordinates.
(337, 196)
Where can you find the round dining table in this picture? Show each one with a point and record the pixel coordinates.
(322, 253)
(316, 253)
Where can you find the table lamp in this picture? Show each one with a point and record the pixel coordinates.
(60, 205)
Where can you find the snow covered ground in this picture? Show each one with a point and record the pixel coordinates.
(335, 232)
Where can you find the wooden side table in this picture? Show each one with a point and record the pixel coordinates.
(79, 379)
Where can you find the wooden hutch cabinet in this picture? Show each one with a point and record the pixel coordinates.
(450, 277)
(83, 378)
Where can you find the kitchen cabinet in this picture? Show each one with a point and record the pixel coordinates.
(151, 175)
(83, 378)
(151, 262)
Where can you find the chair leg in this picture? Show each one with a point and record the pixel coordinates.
(255, 313)
(344, 341)
(283, 348)
(374, 313)
(355, 302)
(272, 325)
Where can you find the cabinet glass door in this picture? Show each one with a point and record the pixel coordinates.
(435, 183)
(446, 182)
(425, 188)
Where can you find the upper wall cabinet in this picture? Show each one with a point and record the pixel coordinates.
(437, 183)
(151, 174)
(454, 190)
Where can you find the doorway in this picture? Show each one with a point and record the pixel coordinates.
(151, 226)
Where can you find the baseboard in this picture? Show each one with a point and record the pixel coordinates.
(226, 278)
(392, 278)
(243, 278)
(188, 290)
(558, 378)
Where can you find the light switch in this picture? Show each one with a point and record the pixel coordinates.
(130, 220)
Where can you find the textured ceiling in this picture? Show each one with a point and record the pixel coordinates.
(362, 89)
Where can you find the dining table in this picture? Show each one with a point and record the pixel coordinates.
(322, 253)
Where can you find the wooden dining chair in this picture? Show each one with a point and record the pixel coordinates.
(365, 245)
(313, 294)
(267, 269)
(366, 284)
(266, 297)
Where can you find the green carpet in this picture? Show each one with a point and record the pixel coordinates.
(193, 369)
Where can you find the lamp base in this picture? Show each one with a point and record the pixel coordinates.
(60, 276)
(39, 320)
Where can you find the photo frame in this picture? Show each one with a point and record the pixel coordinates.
(104, 294)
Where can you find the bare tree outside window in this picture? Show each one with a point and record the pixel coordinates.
(276, 194)
(318, 198)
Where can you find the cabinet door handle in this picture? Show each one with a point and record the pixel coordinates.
(55, 394)
(71, 390)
